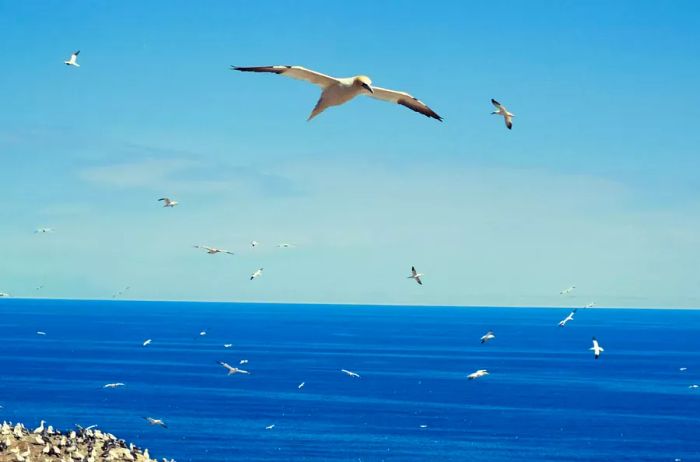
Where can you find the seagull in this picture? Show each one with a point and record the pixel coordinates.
(203, 333)
(228, 345)
(212, 250)
(153, 421)
(597, 349)
(43, 230)
(256, 274)
(502, 111)
(488, 336)
(73, 61)
(243, 361)
(253, 243)
(40, 428)
(568, 290)
(40, 332)
(415, 275)
(423, 426)
(683, 369)
(114, 385)
(167, 202)
(270, 427)
(337, 91)
(147, 342)
(232, 370)
(477, 374)
(301, 385)
(350, 373)
(570, 317)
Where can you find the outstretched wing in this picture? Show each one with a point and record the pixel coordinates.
(295, 72)
(404, 99)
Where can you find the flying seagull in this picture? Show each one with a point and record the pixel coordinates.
(40, 332)
(301, 385)
(502, 111)
(477, 374)
(256, 274)
(168, 202)
(568, 290)
(570, 317)
(73, 61)
(147, 342)
(597, 349)
(350, 373)
(243, 361)
(337, 91)
(212, 250)
(228, 345)
(43, 230)
(153, 421)
(415, 275)
(114, 385)
(253, 243)
(232, 370)
(270, 427)
(488, 336)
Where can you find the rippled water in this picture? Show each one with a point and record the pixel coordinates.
(546, 397)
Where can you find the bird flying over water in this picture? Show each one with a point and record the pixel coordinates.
(228, 345)
(502, 111)
(256, 274)
(212, 250)
(337, 91)
(570, 317)
(568, 290)
(477, 374)
(153, 421)
(284, 245)
(597, 349)
(590, 305)
(350, 373)
(488, 336)
(4, 295)
(114, 385)
(415, 275)
(40, 332)
(232, 370)
(73, 61)
(301, 385)
(147, 342)
(167, 202)
(43, 230)
(270, 427)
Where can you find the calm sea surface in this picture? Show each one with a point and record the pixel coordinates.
(546, 397)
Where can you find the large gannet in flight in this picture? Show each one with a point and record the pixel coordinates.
(415, 275)
(488, 336)
(212, 250)
(43, 230)
(168, 202)
(153, 421)
(73, 61)
(256, 274)
(502, 111)
(232, 370)
(350, 373)
(568, 290)
(597, 349)
(4, 294)
(114, 385)
(477, 374)
(570, 317)
(337, 91)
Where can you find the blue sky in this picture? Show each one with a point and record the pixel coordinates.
(596, 185)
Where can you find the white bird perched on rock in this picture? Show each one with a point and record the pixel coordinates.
(568, 290)
(570, 317)
(43, 230)
(350, 373)
(337, 91)
(477, 374)
(167, 202)
(73, 61)
(416, 275)
(488, 336)
(147, 342)
(597, 349)
(232, 370)
(40, 428)
(502, 111)
(212, 250)
(153, 421)
(114, 385)
(256, 274)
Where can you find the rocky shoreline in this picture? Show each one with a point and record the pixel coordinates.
(46, 444)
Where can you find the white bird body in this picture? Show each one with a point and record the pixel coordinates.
(114, 385)
(153, 421)
(570, 317)
(147, 342)
(40, 428)
(43, 230)
(568, 290)
(502, 111)
(301, 385)
(73, 61)
(590, 305)
(40, 332)
(4, 294)
(350, 373)
(270, 427)
(488, 336)
(415, 275)
(228, 345)
(243, 361)
(167, 202)
(212, 250)
(337, 91)
(596, 348)
(253, 243)
(477, 374)
(232, 370)
(256, 274)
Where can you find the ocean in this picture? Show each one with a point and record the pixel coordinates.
(546, 397)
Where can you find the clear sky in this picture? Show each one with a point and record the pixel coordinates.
(596, 185)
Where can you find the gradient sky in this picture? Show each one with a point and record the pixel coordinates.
(596, 186)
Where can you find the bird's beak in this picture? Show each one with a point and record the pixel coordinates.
(368, 88)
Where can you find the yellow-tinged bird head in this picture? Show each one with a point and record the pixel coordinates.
(365, 82)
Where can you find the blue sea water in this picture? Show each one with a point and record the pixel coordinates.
(546, 398)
